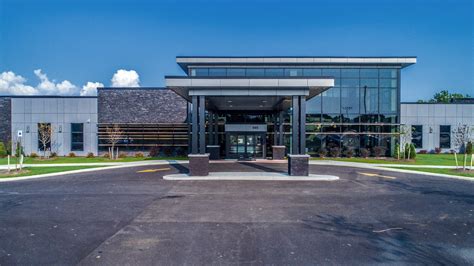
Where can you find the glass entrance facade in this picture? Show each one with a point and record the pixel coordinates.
(245, 145)
(360, 112)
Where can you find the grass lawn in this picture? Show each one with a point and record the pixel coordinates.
(421, 159)
(468, 173)
(44, 170)
(29, 160)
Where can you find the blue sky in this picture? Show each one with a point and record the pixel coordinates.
(81, 41)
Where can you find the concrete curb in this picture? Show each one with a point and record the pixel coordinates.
(386, 167)
(99, 168)
(249, 176)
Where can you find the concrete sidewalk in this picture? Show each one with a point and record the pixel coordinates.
(370, 165)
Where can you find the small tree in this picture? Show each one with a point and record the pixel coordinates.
(114, 134)
(412, 153)
(462, 134)
(45, 135)
(405, 138)
(3, 150)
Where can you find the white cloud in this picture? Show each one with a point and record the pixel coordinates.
(51, 88)
(10, 84)
(90, 89)
(13, 84)
(125, 78)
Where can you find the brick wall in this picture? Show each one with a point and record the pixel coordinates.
(140, 105)
(5, 119)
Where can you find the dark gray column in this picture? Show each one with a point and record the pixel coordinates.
(275, 129)
(280, 129)
(202, 125)
(302, 124)
(216, 129)
(294, 126)
(194, 132)
(210, 128)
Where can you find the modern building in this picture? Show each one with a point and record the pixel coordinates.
(432, 124)
(243, 108)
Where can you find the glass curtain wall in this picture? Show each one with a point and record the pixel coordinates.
(360, 112)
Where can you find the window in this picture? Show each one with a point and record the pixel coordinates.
(44, 136)
(274, 72)
(293, 72)
(388, 73)
(217, 72)
(388, 83)
(350, 82)
(312, 72)
(369, 82)
(349, 73)
(349, 101)
(445, 137)
(77, 137)
(417, 136)
(201, 72)
(368, 100)
(388, 100)
(255, 72)
(332, 101)
(369, 73)
(236, 72)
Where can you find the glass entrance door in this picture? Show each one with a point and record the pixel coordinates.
(245, 145)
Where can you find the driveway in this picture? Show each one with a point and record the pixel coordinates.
(130, 216)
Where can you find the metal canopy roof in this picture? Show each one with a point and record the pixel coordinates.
(185, 61)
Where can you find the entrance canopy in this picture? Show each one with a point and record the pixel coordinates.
(248, 93)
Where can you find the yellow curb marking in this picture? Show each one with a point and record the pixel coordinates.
(372, 174)
(153, 170)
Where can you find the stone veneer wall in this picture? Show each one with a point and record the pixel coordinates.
(140, 105)
(5, 119)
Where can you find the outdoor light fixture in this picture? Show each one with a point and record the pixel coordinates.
(27, 129)
(431, 130)
(60, 130)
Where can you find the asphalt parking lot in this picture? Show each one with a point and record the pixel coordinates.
(130, 216)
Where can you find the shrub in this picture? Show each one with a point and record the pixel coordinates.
(437, 150)
(72, 154)
(122, 155)
(90, 155)
(379, 151)
(19, 150)
(335, 152)
(106, 155)
(3, 151)
(412, 152)
(9, 148)
(168, 151)
(155, 151)
(469, 148)
(364, 153)
(423, 152)
(396, 152)
(33, 155)
(348, 152)
(322, 152)
(139, 155)
(54, 154)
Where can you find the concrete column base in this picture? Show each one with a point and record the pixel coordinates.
(278, 152)
(298, 165)
(214, 151)
(198, 164)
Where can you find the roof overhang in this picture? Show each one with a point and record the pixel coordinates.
(185, 61)
(241, 87)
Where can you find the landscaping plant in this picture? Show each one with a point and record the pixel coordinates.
(90, 155)
(412, 151)
(364, 152)
(462, 135)
(396, 151)
(379, 151)
(3, 150)
(335, 152)
(322, 152)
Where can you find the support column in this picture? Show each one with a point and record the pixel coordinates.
(216, 129)
(278, 149)
(280, 129)
(198, 159)
(194, 132)
(202, 125)
(298, 161)
(302, 124)
(294, 126)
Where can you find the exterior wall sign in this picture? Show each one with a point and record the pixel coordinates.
(246, 128)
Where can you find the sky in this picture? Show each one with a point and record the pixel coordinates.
(71, 46)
